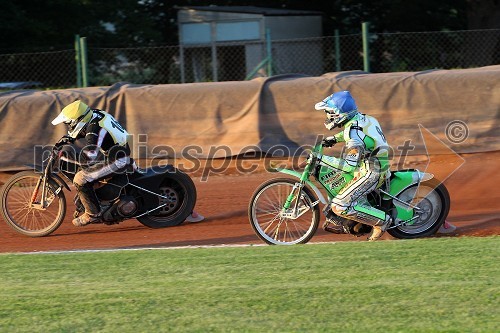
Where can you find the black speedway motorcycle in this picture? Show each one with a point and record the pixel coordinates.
(33, 202)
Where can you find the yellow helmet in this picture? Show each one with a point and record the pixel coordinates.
(76, 115)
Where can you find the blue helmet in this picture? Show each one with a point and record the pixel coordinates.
(339, 107)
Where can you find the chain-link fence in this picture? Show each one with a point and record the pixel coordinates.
(43, 69)
(389, 52)
(428, 50)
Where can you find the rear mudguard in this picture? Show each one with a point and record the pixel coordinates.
(401, 180)
(151, 178)
(149, 181)
(308, 182)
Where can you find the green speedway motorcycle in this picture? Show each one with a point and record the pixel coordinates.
(285, 211)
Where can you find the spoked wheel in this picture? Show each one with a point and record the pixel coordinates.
(267, 220)
(26, 215)
(433, 202)
(177, 201)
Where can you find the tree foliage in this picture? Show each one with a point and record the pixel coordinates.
(52, 24)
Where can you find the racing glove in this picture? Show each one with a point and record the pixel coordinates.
(64, 141)
(329, 141)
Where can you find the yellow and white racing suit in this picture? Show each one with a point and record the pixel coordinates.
(103, 134)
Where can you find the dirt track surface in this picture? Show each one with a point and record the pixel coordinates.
(223, 200)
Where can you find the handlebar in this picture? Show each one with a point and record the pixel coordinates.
(318, 148)
(63, 141)
(316, 152)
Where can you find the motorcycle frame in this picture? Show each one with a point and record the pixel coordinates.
(399, 181)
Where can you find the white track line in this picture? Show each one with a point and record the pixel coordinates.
(152, 248)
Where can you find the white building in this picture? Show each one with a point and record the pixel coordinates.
(230, 42)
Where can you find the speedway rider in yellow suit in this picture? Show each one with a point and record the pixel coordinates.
(103, 135)
(366, 153)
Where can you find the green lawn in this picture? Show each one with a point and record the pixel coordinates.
(428, 285)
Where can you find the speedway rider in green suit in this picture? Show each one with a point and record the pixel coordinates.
(365, 154)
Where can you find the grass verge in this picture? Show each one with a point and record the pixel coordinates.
(441, 284)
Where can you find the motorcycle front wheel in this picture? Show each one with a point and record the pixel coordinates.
(16, 198)
(265, 213)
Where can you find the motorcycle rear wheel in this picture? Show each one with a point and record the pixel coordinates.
(265, 208)
(180, 198)
(433, 199)
(20, 215)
